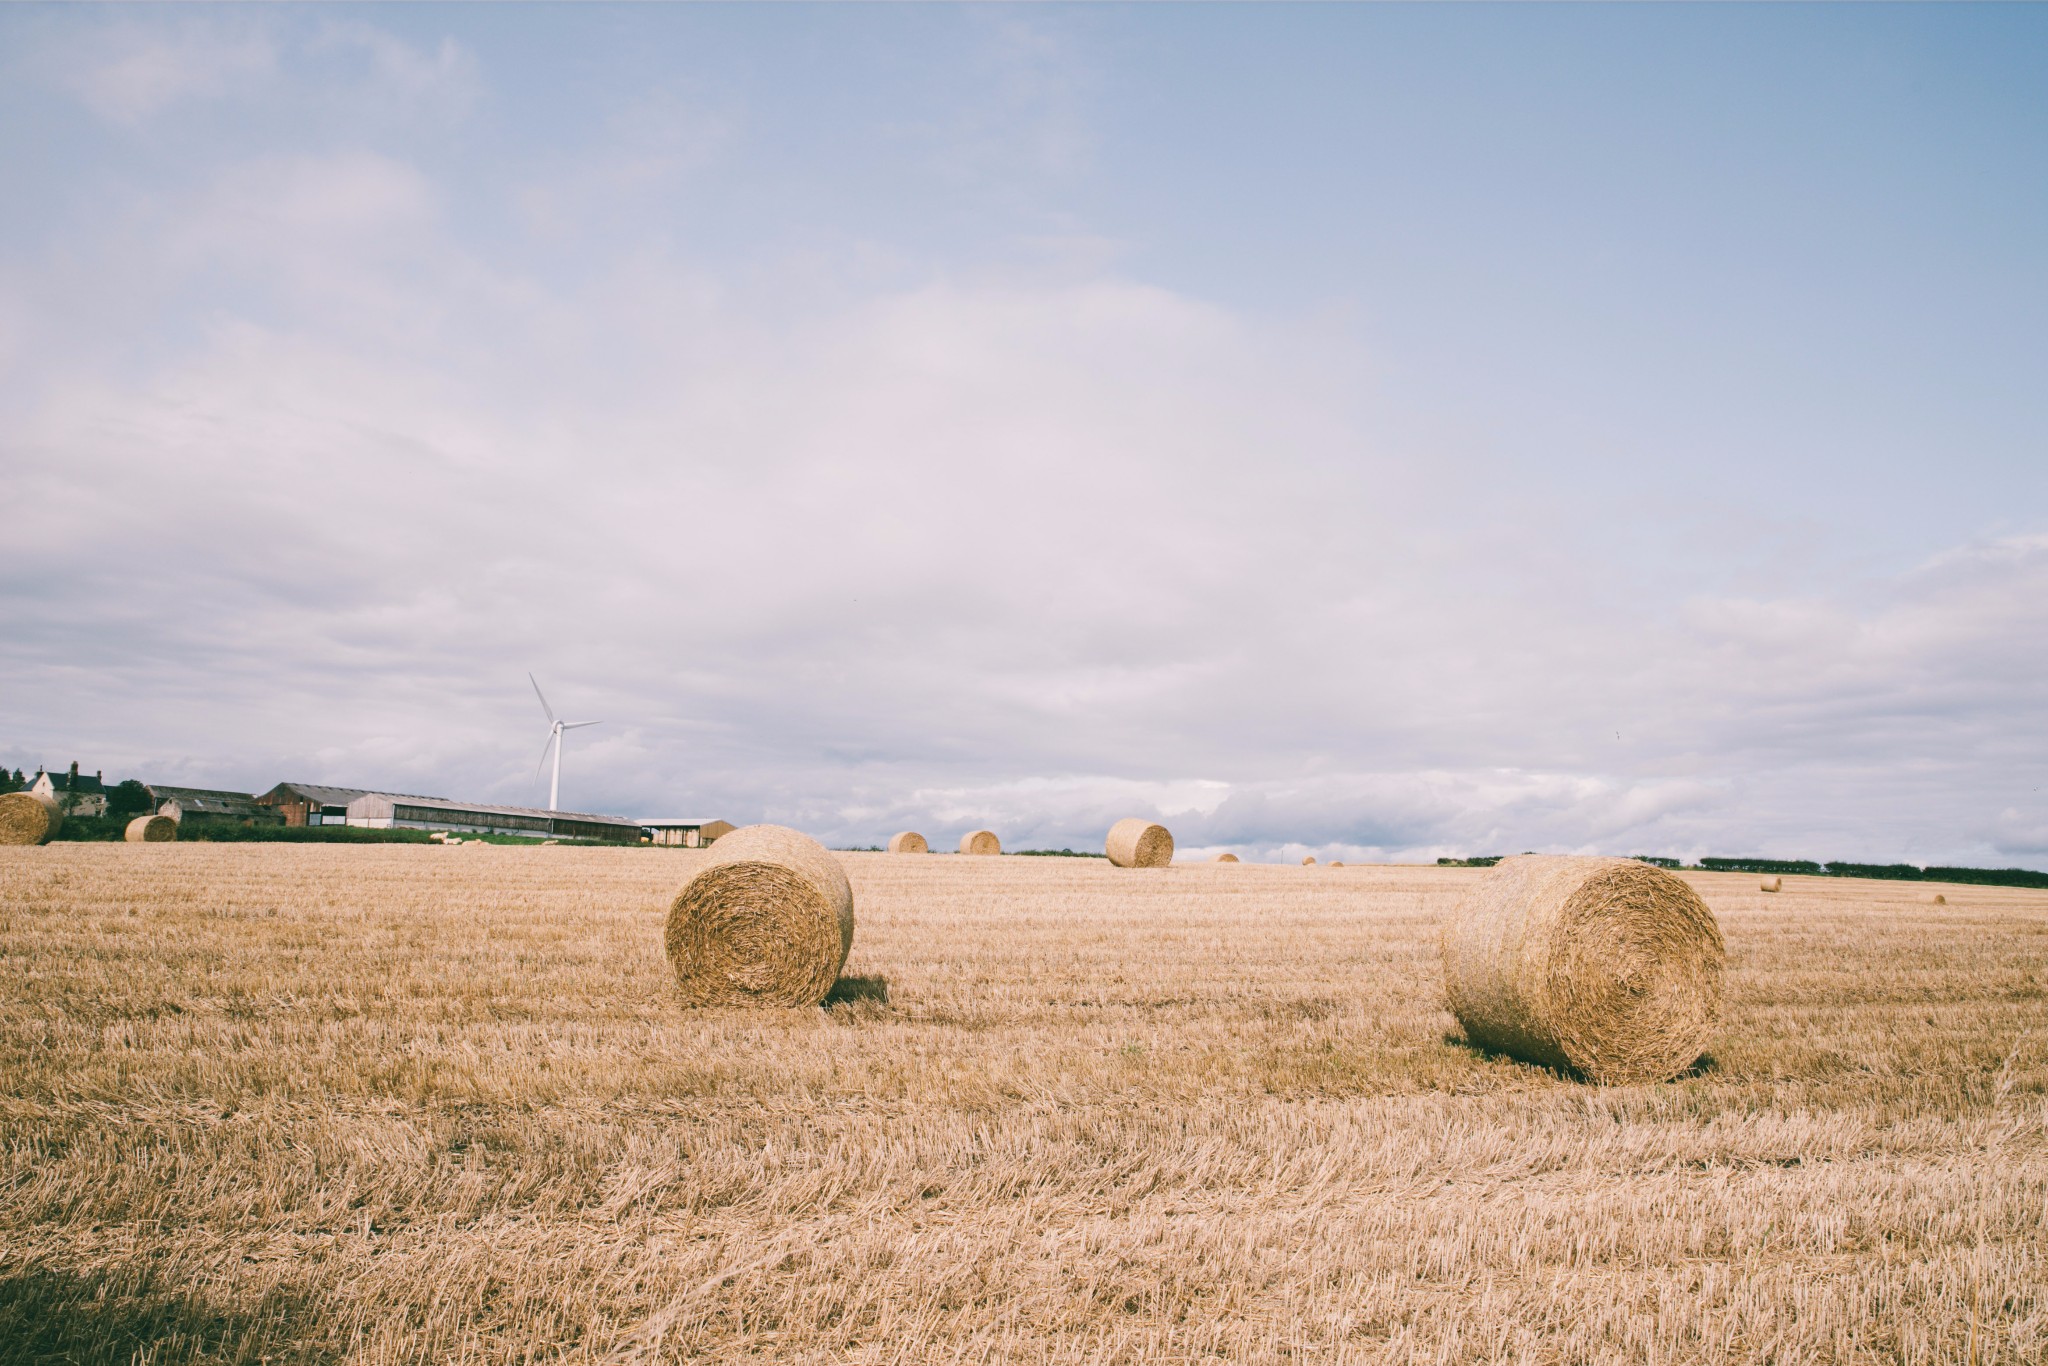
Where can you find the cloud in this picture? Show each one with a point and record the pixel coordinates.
(416, 77)
(308, 470)
(2019, 833)
(135, 73)
(970, 554)
(130, 73)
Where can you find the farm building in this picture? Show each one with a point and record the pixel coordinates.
(309, 804)
(74, 792)
(384, 811)
(210, 806)
(683, 832)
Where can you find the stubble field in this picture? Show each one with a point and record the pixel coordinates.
(403, 1104)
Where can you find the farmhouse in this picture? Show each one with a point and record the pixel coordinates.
(683, 832)
(210, 806)
(385, 811)
(76, 794)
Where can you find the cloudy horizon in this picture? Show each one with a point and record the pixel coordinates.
(1381, 433)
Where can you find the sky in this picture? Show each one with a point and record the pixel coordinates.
(1380, 432)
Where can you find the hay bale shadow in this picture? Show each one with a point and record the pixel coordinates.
(1701, 1065)
(48, 1315)
(850, 989)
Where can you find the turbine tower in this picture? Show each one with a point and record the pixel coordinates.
(555, 729)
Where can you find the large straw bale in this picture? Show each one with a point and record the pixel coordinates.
(1224, 858)
(980, 842)
(26, 818)
(151, 830)
(1607, 966)
(1309, 862)
(1136, 843)
(767, 921)
(1776, 884)
(908, 842)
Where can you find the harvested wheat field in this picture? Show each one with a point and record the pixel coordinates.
(397, 1104)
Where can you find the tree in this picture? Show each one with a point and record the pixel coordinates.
(129, 798)
(12, 782)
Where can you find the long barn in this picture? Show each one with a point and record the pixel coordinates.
(381, 811)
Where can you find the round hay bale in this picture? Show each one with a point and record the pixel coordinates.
(1606, 966)
(1135, 843)
(1309, 862)
(26, 818)
(980, 842)
(1776, 884)
(1336, 863)
(151, 830)
(1938, 899)
(767, 921)
(1225, 858)
(908, 842)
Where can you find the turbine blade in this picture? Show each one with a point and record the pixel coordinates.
(579, 725)
(550, 744)
(542, 696)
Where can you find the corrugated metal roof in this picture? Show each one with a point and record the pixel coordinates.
(342, 796)
(665, 822)
(165, 793)
(479, 809)
(204, 800)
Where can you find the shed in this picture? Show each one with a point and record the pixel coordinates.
(684, 832)
(315, 804)
(210, 806)
(386, 811)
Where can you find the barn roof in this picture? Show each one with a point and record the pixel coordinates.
(338, 796)
(483, 809)
(203, 800)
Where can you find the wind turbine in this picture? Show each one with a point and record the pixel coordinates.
(555, 729)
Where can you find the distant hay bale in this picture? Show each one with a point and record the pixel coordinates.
(908, 842)
(1336, 863)
(1309, 862)
(1224, 858)
(151, 830)
(1607, 966)
(1136, 843)
(1776, 884)
(768, 921)
(980, 842)
(26, 818)
(1938, 899)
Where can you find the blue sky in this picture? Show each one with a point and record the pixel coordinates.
(1377, 431)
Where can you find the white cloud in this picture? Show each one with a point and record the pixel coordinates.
(445, 73)
(306, 473)
(129, 73)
